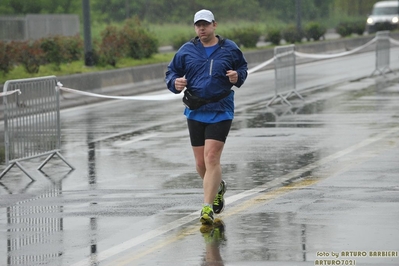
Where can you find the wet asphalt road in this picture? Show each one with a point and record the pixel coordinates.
(311, 184)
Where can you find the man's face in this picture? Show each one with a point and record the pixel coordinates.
(205, 30)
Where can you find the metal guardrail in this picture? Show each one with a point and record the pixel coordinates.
(382, 51)
(285, 73)
(31, 121)
(285, 64)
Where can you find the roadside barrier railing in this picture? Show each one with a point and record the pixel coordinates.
(285, 73)
(284, 60)
(382, 41)
(283, 90)
(31, 121)
(382, 53)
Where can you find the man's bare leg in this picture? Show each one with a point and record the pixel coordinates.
(208, 166)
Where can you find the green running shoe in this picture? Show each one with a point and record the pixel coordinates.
(206, 215)
(218, 203)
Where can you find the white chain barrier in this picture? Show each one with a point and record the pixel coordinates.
(2, 94)
(155, 97)
(326, 56)
(256, 68)
(172, 96)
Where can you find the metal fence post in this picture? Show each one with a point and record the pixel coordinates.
(285, 73)
(31, 121)
(382, 53)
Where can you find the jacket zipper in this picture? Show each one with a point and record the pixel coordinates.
(210, 69)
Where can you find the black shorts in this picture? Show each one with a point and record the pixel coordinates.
(199, 131)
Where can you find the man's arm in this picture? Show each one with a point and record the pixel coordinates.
(242, 68)
(174, 75)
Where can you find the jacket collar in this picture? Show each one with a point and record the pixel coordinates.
(196, 40)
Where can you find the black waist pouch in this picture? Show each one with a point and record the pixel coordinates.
(194, 102)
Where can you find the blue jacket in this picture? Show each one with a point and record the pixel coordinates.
(206, 77)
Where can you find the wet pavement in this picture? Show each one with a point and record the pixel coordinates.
(312, 184)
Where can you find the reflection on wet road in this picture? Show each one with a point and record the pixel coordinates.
(305, 183)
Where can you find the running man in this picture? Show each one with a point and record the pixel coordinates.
(208, 66)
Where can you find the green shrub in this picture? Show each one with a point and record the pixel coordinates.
(139, 42)
(141, 45)
(111, 47)
(344, 29)
(74, 48)
(274, 36)
(292, 35)
(30, 55)
(247, 37)
(314, 30)
(358, 27)
(6, 60)
(347, 28)
(229, 35)
(60, 49)
(53, 52)
(132, 40)
(180, 40)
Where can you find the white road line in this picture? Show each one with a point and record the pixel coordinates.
(193, 216)
(136, 139)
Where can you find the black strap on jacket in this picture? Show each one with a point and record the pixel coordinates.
(194, 102)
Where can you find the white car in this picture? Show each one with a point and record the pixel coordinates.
(384, 16)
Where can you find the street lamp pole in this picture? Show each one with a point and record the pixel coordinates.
(87, 34)
(298, 15)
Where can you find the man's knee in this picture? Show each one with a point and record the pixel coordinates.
(212, 158)
(213, 151)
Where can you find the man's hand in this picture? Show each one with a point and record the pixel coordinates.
(180, 83)
(233, 76)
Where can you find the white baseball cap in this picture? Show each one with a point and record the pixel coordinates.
(204, 15)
